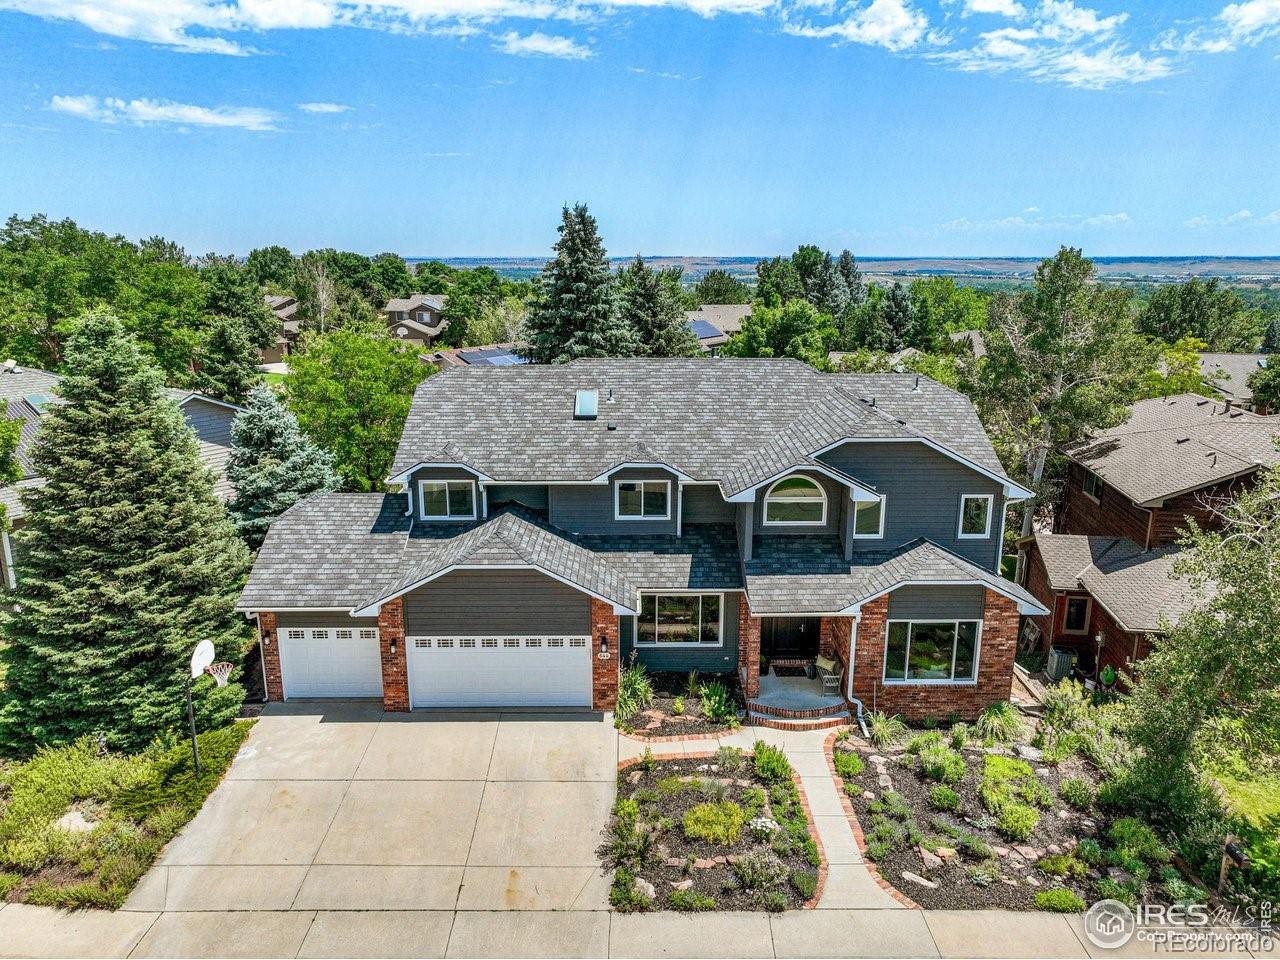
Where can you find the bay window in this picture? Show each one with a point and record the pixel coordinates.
(691, 619)
(923, 651)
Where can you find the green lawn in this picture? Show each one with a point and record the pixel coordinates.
(1257, 800)
(275, 380)
(121, 810)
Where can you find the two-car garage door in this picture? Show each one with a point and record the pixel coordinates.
(500, 671)
(331, 662)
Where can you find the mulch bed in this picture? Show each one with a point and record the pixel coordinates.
(665, 790)
(958, 878)
(661, 720)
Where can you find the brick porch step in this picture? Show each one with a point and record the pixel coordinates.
(836, 709)
(756, 719)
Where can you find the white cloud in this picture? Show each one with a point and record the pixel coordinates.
(322, 107)
(148, 112)
(1252, 20)
(1240, 216)
(543, 45)
(892, 24)
(1031, 220)
(1005, 8)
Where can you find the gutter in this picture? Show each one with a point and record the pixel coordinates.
(853, 649)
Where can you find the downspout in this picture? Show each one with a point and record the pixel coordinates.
(848, 675)
(262, 659)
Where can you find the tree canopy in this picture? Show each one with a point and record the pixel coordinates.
(717, 286)
(1204, 309)
(127, 561)
(651, 304)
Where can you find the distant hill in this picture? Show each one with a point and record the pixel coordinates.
(1240, 271)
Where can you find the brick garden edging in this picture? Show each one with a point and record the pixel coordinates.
(677, 737)
(828, 749)
(812, 902)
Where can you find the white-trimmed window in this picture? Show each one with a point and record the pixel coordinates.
(1075, 618)
(1092, 486)
(642, 500)
(868, 519)
(795, 501)
(446, 500)
(975, 516)
(680, 620)
(932, 651)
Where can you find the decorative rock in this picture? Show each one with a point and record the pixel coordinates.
(1000, 851)
(677, 862)
(995, 751)
(1027, 752)
(721, 860)
(877, 759)
(946, 853)
(1032, 880)
(931, 861)
(916, 878)
(844, 746)
(1064, 814)
(73, 821)
(680, 885)
(1070, 843)
(714, 768)
(1027, 853)
(1008, 882)
(701, 864)
(868, 795)
(1088, 827)
(884, 781)
(732, 858)
(703, 766)
(1043, 771)
(634, 776)
(644, 887)
(1054, 848)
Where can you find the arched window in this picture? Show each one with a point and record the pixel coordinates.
(795, 500)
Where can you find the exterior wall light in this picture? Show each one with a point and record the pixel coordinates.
(604, 646)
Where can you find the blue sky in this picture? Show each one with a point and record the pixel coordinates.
(732, 127)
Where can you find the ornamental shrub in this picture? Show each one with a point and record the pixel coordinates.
(1018, 821)
(944, 798)
(1059, 900)
(720, 822)
(941, 763)
(771, 764)
(848, 765)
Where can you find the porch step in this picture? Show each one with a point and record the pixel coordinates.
(824, 722)
(835, 709)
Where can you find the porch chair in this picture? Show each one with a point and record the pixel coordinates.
(831, 674)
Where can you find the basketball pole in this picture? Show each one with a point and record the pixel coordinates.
(191, 719)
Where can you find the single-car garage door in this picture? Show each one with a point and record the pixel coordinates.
(500, 671)
(331, 662)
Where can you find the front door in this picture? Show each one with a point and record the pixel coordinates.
(789, 637)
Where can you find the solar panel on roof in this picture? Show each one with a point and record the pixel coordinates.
(703, 330)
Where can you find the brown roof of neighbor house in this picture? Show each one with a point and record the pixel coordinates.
(1137, 588)
(1172, 445)
(1234, 370)
(725, 317)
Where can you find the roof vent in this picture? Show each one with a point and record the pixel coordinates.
(586, 403)
(916, 388)
(609, 398)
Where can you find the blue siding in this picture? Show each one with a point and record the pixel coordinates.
(496, 603)
(531, 495)
(936, 603)
(704, 504)
(923, 489)
(722, 659)
(589, 508)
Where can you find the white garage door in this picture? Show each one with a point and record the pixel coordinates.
(333, 662)
(500, 671)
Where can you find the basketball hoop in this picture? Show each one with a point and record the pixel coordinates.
(220, 672)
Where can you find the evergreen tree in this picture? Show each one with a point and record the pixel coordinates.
(1271, 337)
(575, 312)
(129, 561)
(232, 291)
(273, 465)
(650, 303)
(228, 362)
(831, 293)
(717, 286)
(847, 264)
(899, 314)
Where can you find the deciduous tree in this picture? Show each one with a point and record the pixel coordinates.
(271, 266)
(717, 286)
(1204, 309)
(128, 560)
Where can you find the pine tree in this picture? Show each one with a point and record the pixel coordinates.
(273, 465)
(128, 562)
(899, 313)
(847, 264)
(228, 362)
(650, 304)
(575, 311)
(1271, 338)
(830, 290)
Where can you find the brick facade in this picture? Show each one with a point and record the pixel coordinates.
(395, 670)
(604, 673)
(269, 642)
(916, 702)
(748, 649)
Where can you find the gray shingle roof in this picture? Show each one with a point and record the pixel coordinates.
(1171, 445)
(721, 419)
(1232, 372)
(1137, 588)
(436, 301)
(793, 575)
(725, 317)
(704, 557)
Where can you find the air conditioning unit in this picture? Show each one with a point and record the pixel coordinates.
(1062, 661)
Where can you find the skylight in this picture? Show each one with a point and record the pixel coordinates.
(586, 403)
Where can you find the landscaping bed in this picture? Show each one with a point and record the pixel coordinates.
(722, 832)
(669, 704)
(80, 826)
(954, 823)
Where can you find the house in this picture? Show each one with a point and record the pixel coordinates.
(1106, 571)
(974, 341)
(714, 323)
(417, 318)
(493, 355)
(710, 337)
(553, 521)
(286, 311)
(897, 361)
(27, 394)
(1229, 374)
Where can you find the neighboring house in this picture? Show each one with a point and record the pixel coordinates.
(1129, 493)
(417, 318)
(286, 311)
(27, 394)
(725, 317)
(710, 337)
(974, 340)
(896, 360)
(493, 355)
(554, 521)
(1229, 374)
